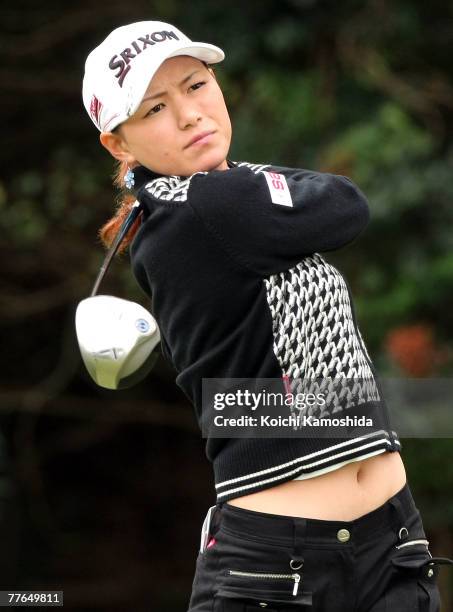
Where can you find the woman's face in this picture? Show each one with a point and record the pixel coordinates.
(158, 134)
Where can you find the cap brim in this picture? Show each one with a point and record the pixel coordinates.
(203, 51)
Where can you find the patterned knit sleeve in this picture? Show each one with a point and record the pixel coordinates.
(271, 219)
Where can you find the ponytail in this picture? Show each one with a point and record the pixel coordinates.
(110, 229)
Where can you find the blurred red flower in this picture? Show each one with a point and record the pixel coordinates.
(413, 349)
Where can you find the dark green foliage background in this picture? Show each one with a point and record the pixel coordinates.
(104, 492)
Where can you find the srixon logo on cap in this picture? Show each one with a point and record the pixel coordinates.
(123, 59)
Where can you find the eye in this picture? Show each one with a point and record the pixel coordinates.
(153, 110)
(200, 83)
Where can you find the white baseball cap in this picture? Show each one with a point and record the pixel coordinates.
(119, 70)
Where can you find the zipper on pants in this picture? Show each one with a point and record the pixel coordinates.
(412, 542)
(295, 577)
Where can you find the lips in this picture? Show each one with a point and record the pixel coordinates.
(198, 137)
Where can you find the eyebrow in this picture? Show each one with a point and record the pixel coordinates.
(162, 93)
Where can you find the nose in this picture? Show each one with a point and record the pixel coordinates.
(188, 114)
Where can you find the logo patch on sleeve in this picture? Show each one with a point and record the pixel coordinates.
(278, 188)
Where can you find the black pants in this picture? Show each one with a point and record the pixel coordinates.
(379, 562)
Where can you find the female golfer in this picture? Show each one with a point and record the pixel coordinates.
(230, 253)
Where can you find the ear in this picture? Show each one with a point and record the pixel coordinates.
(116, 146)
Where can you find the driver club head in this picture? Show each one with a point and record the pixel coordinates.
(116, 339)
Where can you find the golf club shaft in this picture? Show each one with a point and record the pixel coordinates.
(133, 214)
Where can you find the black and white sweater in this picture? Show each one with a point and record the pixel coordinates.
(239, 289)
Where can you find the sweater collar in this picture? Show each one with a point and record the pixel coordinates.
(143, 175)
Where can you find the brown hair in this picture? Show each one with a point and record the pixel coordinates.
(125, 200)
